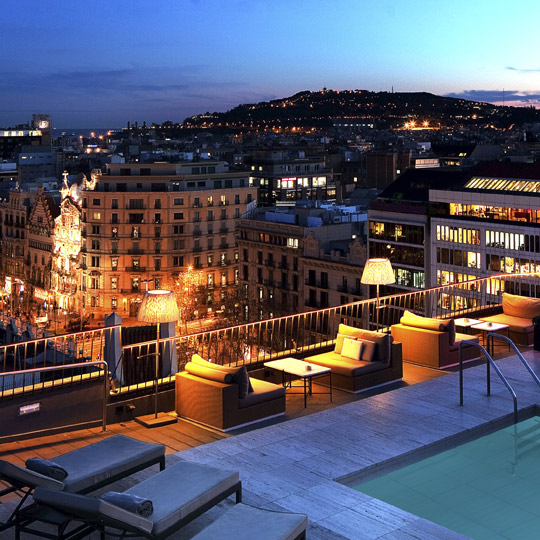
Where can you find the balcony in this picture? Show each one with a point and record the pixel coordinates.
(135, 269)
(223, 230)
(318, 284)
(269, 262)
(137, 251)
(197, 232)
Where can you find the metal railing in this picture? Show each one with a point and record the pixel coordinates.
(489, 362)
(253, 343)
(492, 336)
(55, 352)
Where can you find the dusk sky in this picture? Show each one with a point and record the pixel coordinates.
(100, 64)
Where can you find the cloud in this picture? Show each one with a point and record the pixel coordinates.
(523, 70)
(514, 98)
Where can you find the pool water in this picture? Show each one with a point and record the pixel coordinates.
(487, 488)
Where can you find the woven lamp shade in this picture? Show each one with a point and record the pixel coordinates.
(378, 272)
(158, 307)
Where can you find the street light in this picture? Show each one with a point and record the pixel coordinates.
(157, 307)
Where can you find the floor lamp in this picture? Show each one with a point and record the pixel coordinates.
(157, 307)
(378, 272)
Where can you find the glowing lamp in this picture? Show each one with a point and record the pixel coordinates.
(158, 307)
(378, 272)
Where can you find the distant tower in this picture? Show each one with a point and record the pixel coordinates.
(42, 122)
(64, 190)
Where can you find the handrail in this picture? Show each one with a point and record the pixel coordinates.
(492, 335)
(497, 371)
(102, 363)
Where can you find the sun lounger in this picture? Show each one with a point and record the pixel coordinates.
(179, 494)
(247, 523)
(89, 468)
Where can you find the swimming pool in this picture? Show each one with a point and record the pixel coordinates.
(486, 488)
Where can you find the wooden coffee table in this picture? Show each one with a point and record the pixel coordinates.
(302, 370)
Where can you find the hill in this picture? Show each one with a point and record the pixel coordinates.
(387, 110)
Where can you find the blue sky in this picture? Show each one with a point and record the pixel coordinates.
(101, 64)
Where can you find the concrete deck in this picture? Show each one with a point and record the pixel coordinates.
(293, 465)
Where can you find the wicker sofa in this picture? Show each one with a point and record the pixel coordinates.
(221, 398)
(357, 375)
(517, 313)
(432, 342)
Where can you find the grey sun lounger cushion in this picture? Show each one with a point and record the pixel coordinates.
(177, 493)
(244, 522)
(47, 468)
(88, 466)
(96, 463)
(180, 490)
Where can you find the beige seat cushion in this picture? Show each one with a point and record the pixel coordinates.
(463, 337)
(344, 366)
(522, 307)
(517, 324)
(263, 391)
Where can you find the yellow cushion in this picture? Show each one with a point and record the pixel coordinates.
(520, 306)
(440, 325)
(351, 349)
(383, 341)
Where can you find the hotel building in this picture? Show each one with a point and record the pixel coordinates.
(144, 224)
(440, 227)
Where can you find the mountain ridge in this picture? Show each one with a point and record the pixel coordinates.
(308, 109)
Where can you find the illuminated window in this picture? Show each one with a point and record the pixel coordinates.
(114, 283)
(292, 243)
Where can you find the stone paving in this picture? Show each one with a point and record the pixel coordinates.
(293, 465)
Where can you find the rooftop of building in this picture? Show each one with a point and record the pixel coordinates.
(305, 463)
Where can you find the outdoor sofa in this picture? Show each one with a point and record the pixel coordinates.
(432, 342)
(378, 360)
(225, 398)
(517, 313)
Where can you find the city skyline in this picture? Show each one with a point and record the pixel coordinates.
(136, 61)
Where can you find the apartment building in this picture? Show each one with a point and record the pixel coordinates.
(439, 227)
(144, 224)
(288, 175)
(488, 224)
(293, 259)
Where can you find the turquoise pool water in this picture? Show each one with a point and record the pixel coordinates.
(485, 489)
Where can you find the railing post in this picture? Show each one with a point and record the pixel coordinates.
(460, 374)
(488, 371)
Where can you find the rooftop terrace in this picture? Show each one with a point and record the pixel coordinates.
(296, 464)
(302, 462)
